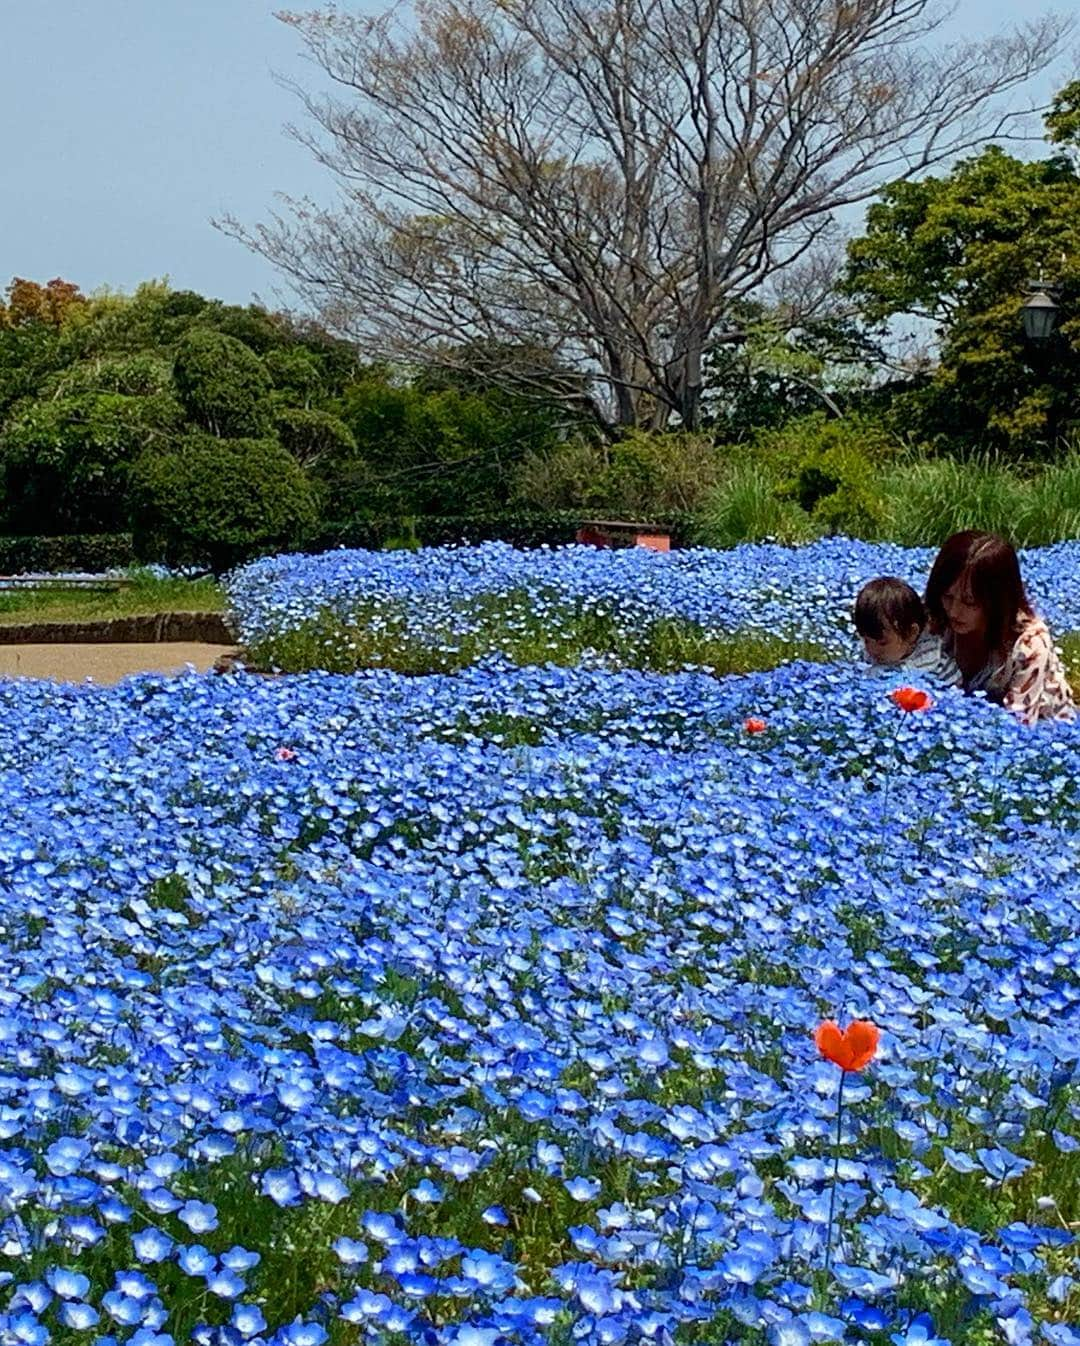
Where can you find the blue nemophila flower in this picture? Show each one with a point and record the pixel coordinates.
(34, 1296)
(583, 1189)
(78, 1315)
(281, 1186)
(790, 1332)
(919, 1332)
(1002, 1164)
(151, 1245)
(199, 1216)
(65, 1155)
(382, 1226)
(224, 1283)
(67, 1284)
(135, 1284)
(299, 1333)
(240, 1259)
(429, 938)
(122, 1308)
(196, 1260)
(26, 1330)
(351, 1252)
(248, 1320)
(1060, 1334)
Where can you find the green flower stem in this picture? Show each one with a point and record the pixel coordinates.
(836, 1171)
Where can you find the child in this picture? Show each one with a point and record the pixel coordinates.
(890, 617)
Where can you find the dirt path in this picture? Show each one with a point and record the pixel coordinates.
(104, 664)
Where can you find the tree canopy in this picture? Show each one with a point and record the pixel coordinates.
(606, 180)
(957, 251)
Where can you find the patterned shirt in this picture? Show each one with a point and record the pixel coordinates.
(932, 658)
(1031, 681)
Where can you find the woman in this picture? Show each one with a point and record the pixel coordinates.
(975, 601)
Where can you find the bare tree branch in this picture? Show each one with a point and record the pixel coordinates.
(605, 180)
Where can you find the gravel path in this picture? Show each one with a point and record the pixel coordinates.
(104, 664)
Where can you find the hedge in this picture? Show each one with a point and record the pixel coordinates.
(90, 552)
(521, 528)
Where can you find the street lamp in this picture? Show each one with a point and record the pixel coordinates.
(1040, 311)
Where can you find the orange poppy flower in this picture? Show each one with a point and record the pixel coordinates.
(911, 698)
(852, 1048)
(285, 755)
(753, 725)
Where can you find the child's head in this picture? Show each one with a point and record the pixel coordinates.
(889, 615)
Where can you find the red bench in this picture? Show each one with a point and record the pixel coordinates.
(617, 533)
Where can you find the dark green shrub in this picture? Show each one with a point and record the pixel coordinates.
(829, 469)
(90, 552)
(519, 528)
(219, 502)
(314, 437)
(224, 386)
(639, 476)
(65, 461)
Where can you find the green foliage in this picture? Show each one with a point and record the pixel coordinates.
(422, 450)
(144, 595)
(73, 552)
(296, 374)
(957, 250)
(220, 501)
(833, 476)
(142, 374)
(928, 500)
(519, 527)
(638, 476)
(222, 384)
(778, 374)
(315, 437)
(747, 508)
(65, 461)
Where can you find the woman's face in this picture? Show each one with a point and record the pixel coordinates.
(964, 615)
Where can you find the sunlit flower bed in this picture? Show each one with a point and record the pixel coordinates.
(447, 594)
(481, 1010)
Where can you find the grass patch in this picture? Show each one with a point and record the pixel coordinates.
(523, 629)
(1070, 653)
(147, 595)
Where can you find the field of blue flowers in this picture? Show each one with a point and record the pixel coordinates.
(479, 1009)
(448, 606)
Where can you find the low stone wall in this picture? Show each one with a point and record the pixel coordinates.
(204, 628)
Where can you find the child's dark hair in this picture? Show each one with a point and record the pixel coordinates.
(888, 600)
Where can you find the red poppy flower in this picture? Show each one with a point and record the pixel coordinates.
(753, 725)
(911, 698)
(853, 1048)
(285, 755)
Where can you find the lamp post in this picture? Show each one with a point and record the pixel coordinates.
(1040, 311)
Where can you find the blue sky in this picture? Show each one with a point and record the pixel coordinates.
(129, 123)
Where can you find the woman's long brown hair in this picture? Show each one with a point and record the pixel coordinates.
(992, 571)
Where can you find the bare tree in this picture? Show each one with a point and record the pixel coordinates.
(604, 180)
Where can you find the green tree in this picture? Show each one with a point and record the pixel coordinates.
(65, 460)
(223, 385)
(219, 501)
(439, 449)
(956, 252)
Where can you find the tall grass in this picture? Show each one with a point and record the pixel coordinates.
(746, 508)
(925, 502)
